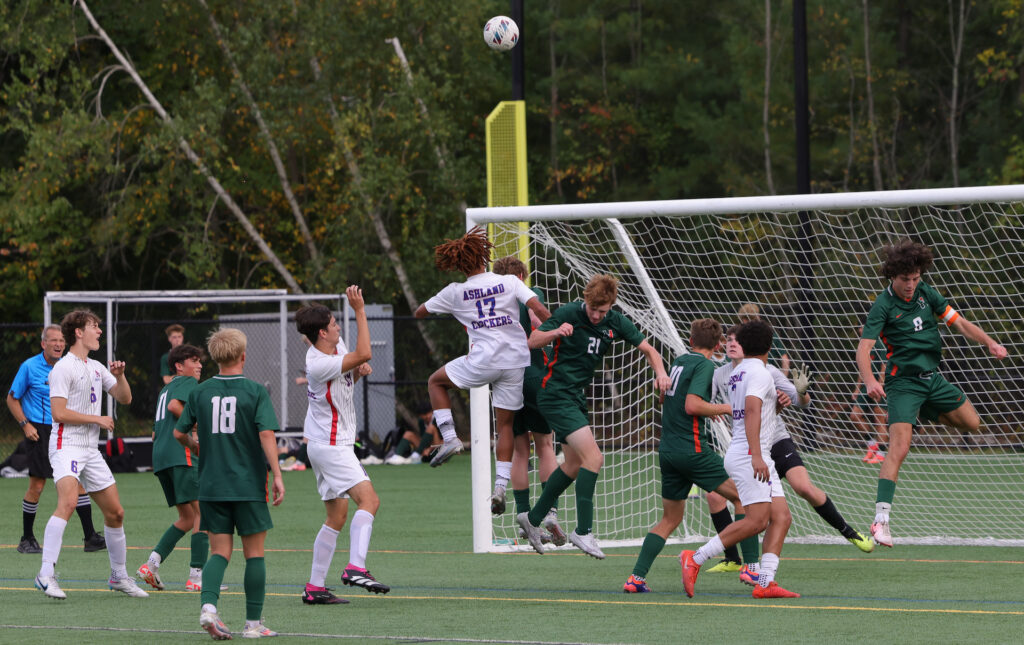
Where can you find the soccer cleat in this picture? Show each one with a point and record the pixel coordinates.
(371, 460)
(558, 537)
(865, 544)
(545, 537)
(636, 585)
(259, 630)
(447, 450)
(320, 596)
(880, 532)
(128, 587)
(587, 543)
(95, 542)
(876, 458)
(415, 458)
(531, 532)
(196, 584)
(362, 578)
(48, 585)
(211, 622)
(726, 566)
(498, 500)
(773, 590)
(749, 575)
(396, 460)
(151, 575)
(29, 545)
(872, 451)
(690, 571)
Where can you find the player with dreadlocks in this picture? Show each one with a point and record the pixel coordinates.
(488, 306)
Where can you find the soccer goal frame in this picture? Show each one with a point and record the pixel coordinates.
(796, 228)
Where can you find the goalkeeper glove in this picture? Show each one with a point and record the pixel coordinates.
(801, 379)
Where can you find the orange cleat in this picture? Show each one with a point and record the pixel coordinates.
(690, 571)
(773, 590)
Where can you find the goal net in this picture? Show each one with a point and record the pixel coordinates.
(811, 265)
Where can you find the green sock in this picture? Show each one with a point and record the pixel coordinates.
(544, 483)
(557, 484)
(886, 490)
(522, 497)
(200, 549)
(404, 448)
(213, 575)
(586, 482)
(653, 544)
(255, 587)
(168, 540)
(749, 546)
(425, 442)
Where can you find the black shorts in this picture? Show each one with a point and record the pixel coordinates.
(785, 456)
(39, 453)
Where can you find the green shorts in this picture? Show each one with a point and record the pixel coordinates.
(529, 418)
(180, 484)
(926, 396)
(564, 412)
(225, 517)
(681, 470)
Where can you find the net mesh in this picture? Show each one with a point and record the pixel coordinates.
(814, 276)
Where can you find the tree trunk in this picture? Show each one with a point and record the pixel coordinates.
(553, 108)
(876, 160)
(957, 25)
(222, 193)
(766, 113)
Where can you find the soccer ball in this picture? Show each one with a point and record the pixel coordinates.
(501, 33)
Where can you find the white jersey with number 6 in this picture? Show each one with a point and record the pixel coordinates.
(331, 415)
(82, 383)
(488, 305)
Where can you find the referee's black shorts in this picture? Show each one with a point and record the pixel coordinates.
(39, 453)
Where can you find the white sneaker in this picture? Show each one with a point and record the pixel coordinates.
(211, 622)
(447, 450)
(558, 537)
(128, 587)
(259, 630)
(397, 460)
(371, 460)
(48, 585)
(880, 532)
(415, 458)
(587, 543)
(532, 533)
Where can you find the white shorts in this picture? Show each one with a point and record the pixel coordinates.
(506, 385)
(337, 469)
(84, 464)
(752, 491)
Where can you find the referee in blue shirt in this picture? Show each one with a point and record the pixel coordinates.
(29, 402)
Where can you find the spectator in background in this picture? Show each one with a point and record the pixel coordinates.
(175, 336)
(29, 403)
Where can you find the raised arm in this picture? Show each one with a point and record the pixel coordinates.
(537, 309)
(972, 331)
(122, 392)
(362, 352)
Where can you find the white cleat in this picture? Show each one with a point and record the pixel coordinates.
(531, 532)
(397, 460)
(558, 537)
(881, 535)
(128, 587)
(48, 585)
(259, 630)
(587, 543)
(447, 450)
(211, 622)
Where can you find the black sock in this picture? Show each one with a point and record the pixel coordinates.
(84, 510)
(722, 519)
(28, 517)
(830, 514)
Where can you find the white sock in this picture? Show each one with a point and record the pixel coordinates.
(117, 551)
(195, 572)
(53, 538)
(209, 608)
(882, 512)
(359, 532)
(252, 623)
(766, 571)
(445, 424)
(154, 560)
(502, 472)
(712, 548)
(323, 552)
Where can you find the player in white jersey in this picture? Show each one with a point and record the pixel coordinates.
(752, 395)
(330, 429)
(77, 384)
(488, 305)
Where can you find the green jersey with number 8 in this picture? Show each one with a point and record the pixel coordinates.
(909, 329)
(229, 413)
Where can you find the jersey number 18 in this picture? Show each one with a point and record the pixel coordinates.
(223, 420)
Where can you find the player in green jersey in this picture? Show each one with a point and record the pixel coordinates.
(906, 316)
(529, 422)
(178, 471)
(235, 423)
(582, 332)
(685, 454)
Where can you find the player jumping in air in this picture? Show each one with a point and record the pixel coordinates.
(906, 316)
(487, 305)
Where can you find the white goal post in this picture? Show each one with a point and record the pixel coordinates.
(810, 262)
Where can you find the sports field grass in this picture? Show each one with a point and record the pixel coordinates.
(442, 592)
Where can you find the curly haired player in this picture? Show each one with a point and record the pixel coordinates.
(906, 315)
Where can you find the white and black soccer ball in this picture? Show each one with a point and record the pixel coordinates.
(501, 33)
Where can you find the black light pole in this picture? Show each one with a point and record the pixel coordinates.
(518, 60)
(805, 255)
